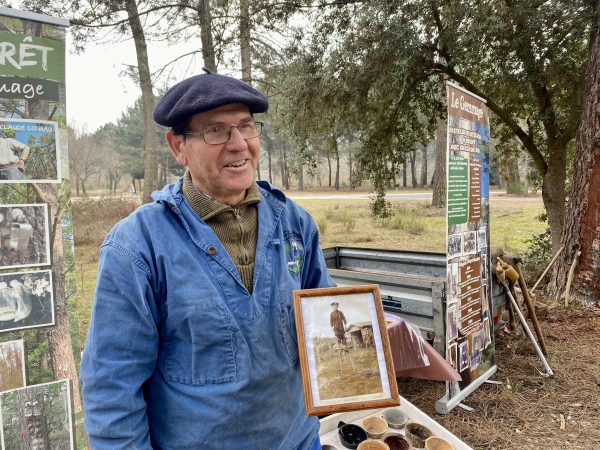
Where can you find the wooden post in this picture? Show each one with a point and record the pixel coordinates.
(530, 307)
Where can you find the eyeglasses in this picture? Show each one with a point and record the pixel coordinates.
(220, 134)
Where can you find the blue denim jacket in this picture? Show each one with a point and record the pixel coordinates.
(179, 355)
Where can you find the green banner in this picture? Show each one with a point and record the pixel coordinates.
(26, 56)
(458, 190)
(29, 88)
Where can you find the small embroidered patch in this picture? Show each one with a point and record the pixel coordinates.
(295, 254)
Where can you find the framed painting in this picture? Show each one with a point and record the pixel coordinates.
(344, 349)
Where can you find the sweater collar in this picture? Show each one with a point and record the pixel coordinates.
(205, 206)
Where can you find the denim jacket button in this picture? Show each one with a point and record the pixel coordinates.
(212, 250)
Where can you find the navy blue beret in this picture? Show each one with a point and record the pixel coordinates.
(202, 93)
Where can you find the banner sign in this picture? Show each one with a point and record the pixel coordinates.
(29, 88)
(27, 56)
(37, 273)
(469, 327)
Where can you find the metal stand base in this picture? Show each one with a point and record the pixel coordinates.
(444, 405)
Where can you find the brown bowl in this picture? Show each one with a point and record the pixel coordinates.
(417, 433)
(375, 426)
(396, 441)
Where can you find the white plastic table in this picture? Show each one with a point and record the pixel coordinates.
(329, 425)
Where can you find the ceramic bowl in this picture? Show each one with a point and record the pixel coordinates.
(372, 444)
(417, 434)
(396, 441)
(351, 435)
(437, 443)
(375, 426)
(395, 417)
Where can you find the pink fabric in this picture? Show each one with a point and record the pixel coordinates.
(413, 356)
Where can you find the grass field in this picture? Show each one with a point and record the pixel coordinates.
(416, 226)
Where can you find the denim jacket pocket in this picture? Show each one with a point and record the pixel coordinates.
(200, 348)
(288, 326)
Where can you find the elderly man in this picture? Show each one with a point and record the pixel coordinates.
(192, 340)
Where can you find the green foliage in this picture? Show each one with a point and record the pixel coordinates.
(539, 253)
(380, 207)
(13, 193)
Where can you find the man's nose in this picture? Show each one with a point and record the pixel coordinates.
(236, 140)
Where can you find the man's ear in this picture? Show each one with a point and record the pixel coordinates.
(175, 142)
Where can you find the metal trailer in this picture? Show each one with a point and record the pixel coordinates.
(412, 284)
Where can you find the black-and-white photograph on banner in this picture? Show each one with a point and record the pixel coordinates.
(452, 322)
(454, 245)
(29, 151)
(12, 365)
(453, 282)
(26, 300)
(24, 236)
(481, 240)
(470, 243)
(451, 355)
(37, 417)
(463, 351)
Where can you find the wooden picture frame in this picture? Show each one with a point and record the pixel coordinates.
(345, 359)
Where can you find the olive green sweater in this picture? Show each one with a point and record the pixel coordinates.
(236, 227)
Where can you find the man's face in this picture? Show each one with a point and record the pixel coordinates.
(223, 171)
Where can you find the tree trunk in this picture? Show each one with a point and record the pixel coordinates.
(329, 167)
(208, 48)
(336, 152)
(245, 41)
(270, 159)
(438, 199)
(269, 149)
(404, 174)
(553, 192)
(582, 223)
(413, 167)
(301, 178)
(285, 179)
(512, 176)
(150, 142)
(424, 166)
(350, 180)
